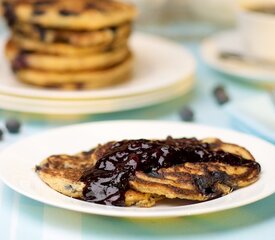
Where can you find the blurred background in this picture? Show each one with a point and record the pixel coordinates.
(188, 20)
(196, 19)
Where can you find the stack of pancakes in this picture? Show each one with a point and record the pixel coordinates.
(69, 44)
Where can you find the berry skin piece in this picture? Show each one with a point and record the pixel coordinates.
(220, 95)
(187, 114)
(13, 125)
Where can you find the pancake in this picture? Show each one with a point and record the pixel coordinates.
(196, 181)
(89, 79)
(59, 63)
(63, 49)
(69, 14)
(63, 172)
(98, 38)
(200, 181)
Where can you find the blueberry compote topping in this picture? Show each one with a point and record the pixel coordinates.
(107, 182)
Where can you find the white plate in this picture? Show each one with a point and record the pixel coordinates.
(92, 106)
(248, 71)
(17, 162)
(159, 63)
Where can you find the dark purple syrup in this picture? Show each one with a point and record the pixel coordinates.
(107, 182)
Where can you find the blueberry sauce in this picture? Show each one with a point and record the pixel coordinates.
(107, 182)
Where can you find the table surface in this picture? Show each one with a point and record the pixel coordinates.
(23, 218)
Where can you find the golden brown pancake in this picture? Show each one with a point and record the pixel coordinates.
(196, 181)
(69, 14)
(63, 173)
(85, 39)
(63, 63)
(77, 80)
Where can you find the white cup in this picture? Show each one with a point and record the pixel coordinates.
(257, 29)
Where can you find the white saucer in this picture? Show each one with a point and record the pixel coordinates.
(17, 163)
(159, 64)
(247, 71)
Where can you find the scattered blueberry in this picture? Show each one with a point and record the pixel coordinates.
(13, 125)
(187, 114)
(221, 95)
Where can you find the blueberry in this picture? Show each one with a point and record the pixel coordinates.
(19, 62)
(38, 12)
(1, 134)
(41, 32)
(65, 12)
(13, 125)
(9, 13)
(43, 2)
(221, 95)
(187, 114)
(37, 168)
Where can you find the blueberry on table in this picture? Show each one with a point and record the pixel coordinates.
(13, 125)
(221, 95)
(187, 114)
(1, 134)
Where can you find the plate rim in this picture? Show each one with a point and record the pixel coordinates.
(266, 79)
(95, 94)
(136, 214)
(91, 106)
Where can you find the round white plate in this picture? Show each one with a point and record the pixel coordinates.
(159, 63)
(92, 106)
(17, 163)
(249, 71)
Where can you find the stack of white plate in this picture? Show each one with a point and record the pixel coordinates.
(163, 70)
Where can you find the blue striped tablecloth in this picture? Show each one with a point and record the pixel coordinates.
(24, 219)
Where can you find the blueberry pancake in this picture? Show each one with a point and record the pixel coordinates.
(63, 49)
(59, 63)
(75, 80)
(202, 181)
(142, 172)
(63, 172)
(69, 44)
(102, 37)
(69, 14)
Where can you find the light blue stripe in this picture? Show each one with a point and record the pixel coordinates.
(228, 225)
(126, 228)
(30, 219)
(246, 129)
(6, 212)
(110, 228)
